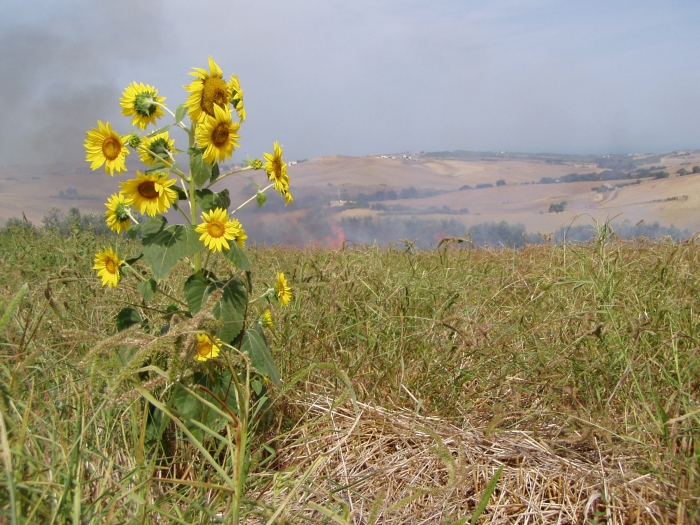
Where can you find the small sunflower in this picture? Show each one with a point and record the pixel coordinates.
(277, 172)
(149, 192)
(141, 102)
(234, 87)
(117, 217)
(207, 91)
(104, 146)
(218, 135)
(107, 264)
(217, 230)
(241, 237)
(266, 319)
(157, 148)
(207, 347)
(284, 291)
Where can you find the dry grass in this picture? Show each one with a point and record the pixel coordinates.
(575, 368)
(399, 467)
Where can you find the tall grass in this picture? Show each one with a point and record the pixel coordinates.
(580, 343)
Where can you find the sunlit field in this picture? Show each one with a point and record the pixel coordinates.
(548, 384)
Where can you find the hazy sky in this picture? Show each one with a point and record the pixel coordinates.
(362, 77)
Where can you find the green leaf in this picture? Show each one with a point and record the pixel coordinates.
(159, 130)
(181, 195)
(237, 256)
(132, 260)
(261, 198)
(133, 231)
(180, 113)
(152, 227)
(255, 344)
(230, 308)
(163, 250)
(215, 173)
(147, 289)
(196, 291)
(208, 200)
(127, 317)
(199, 169)
(158, 166)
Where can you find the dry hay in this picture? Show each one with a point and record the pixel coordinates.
(398, 467)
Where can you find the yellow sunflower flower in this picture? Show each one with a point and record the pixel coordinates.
(156, 149)
(277, 172)
(107, 264)
(117, 218)
(140, 101)
(218, 135)
(149, 192)
(266, 319)
(284, 291)
(104, 146)
(217, 229)
(241, 237)
(234, 87)
(207, 347)
(208, 90)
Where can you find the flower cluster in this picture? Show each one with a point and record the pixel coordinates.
(215, 110)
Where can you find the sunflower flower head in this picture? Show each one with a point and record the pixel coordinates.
(104, 146)
(133, 140)
(209, 89)
(142, 104)
(207, 347)
(107, 264)
(276, 170)
(149, 192)
(217, 135)
(236, 93)
(217, 230)
(266, 319)
(157, 148)
(284, 291)
(241, 236)
(117, 217)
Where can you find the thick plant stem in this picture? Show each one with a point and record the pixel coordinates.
(193, 204)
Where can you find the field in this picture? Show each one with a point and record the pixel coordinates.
(549, 384)
(331, 185)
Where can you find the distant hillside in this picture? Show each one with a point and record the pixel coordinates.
(541, 192)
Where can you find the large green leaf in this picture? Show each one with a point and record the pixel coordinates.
(180, 113)
(230, 308)
(152, 227)
(199, 169)
(165, 248)
(147, 289)
(215, 173)
(255, 344)
(208, 200)
(237, 256)
(127, 317)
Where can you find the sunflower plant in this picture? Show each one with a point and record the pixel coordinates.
(210, 121)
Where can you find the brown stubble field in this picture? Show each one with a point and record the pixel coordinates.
(32, 190)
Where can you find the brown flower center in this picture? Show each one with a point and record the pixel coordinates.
(277, 167)
(147, 190)
(111, 147)
(220, 135)
(216, 229)
(111, 266)
(204, 348)
(214, 92)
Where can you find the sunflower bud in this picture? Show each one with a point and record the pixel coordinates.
(133, 140)
(256, 164)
